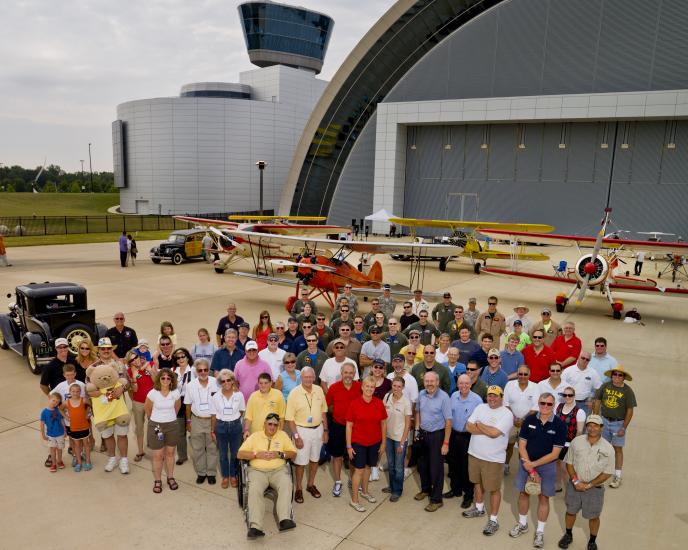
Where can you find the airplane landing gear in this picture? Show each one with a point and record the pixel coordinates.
(443, 264)
(476, 268)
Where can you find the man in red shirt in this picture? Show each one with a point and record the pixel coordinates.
(339, 396)
(538, 356)
(567, 346)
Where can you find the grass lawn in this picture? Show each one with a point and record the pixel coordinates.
(56, 204)
(82, 238)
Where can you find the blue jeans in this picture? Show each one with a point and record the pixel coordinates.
(395, 465)
(228, 437)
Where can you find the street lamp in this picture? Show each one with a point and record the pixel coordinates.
(90, 166)
(82, 172)
(261, 164)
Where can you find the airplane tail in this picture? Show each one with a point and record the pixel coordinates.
(375, 272)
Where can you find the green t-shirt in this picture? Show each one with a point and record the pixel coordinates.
(615, 401)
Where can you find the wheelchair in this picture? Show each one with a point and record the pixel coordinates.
(242, 489)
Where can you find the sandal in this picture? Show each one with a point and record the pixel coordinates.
(157, 486)
(172, 483)
(313, 490)
(298, 496)
(139, 456)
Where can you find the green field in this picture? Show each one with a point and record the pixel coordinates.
(56, 204)
(79, 238)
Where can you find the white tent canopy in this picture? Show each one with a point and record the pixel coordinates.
(380, 216)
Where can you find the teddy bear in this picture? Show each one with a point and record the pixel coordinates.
(107, 410)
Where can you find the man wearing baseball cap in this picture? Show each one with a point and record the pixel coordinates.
(248, 370)
(550, 328)
(443, 313)
(590, 463)
(52, 375)
(374, 349)
(387, 302)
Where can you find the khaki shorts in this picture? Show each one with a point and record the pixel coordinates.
(115, 429)
(487, 474)
(57, 442)
(137, 410)
(513, 436)
(590, 501)
(169, 431)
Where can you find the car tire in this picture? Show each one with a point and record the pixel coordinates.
(443, 264)
(155, 260)
(75, 332)
(476, 268)
(177, 258)
(219, 270)
(30, 355)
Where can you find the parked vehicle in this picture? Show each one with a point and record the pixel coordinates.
(41, 314)
(181, 245)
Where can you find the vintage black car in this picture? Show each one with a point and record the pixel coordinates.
(42, 313)
(181, 245)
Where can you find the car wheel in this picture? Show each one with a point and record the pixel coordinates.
(3, 342)
(31, 358)
(155, 260)
(219, 270)
(74, 334)
(476, 268)
(177, 258)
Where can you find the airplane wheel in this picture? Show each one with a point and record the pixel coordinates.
(659, 275)
(155, 260)
(476, 268)
(3, 342)
(219, 270)
(443, 264)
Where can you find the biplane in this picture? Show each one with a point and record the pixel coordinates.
(595, 271)
(322, 263)
(464, 235)
(231, 250)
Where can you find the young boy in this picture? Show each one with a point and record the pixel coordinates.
(53, 431)
(69, 373)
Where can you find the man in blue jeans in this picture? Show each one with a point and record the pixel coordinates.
(434, 419)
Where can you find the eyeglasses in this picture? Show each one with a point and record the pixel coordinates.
(201, 370)
(554, 370)
(344, 310)
(85, 349)
(471, 369)
(311, 340)
(493, 357)
(546, 404)
(289, 362)
(321, 318)
(339, 347)
(165, 345)
(414, 336)
(165, 378)
(358, 322)
(538, 337)
(407, 307)
(585, 358)
(119, 318)
(491, 303)
(523, 374)
(306, 326)
(180, 356)
(618, 374)
(546, 314)
(378, 367)
(600, 345)
(226, 381)
(347, 329)
(264, 316)
(568, 394)
(428, 353)
(272, 424)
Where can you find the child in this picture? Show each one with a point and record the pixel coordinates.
(69, 373)
(53, 431)
(166, 329)
(77, 409)
(144, 351)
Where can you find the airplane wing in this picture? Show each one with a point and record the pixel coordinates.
(674, 248)
(409, 249)
(478, 225)
(273, 228)
(493, 254)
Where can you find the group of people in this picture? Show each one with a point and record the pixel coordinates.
(429, 387)
(127, 249)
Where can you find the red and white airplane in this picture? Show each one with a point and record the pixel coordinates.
(597, 270)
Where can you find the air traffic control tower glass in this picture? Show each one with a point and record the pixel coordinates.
(277, 34)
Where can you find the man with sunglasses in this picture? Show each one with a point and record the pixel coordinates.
(369, 320)
(325, 334)
(164, 357)
(374, 349)
(541, 439)
(489, 426)
(344, 318)
(458, 322)
(332, 368)
(549, 327)
(478, 385)
(349, 297)
(492, 321)
(415, 345)
(418, 303)
(393, 338)
(387, 302)
(443, 313)
(521, 397)
(312, 356)
(267, 452)
(352, 347)
(567, 346)
(359, 333)
(124, 338)
(584, 380)
(553, 384)
(615, 402)
(297, 308)
(408, 317)
(300, 344)
(228, 355)
(429, 364)
(538, 356)
(601, 361)
(492, 374)
(428, 331)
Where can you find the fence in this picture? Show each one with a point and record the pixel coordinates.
(24, 226)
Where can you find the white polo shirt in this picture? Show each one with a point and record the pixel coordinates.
(227, 409)
(331, 371)
(545, 386)
(585, 382)
(521, 402)
(199, 397)
(275, 360)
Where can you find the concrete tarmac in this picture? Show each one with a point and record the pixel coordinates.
(69, 510)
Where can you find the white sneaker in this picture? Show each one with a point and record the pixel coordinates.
(124, 465)
(407, 473)
(616, 482)
(111, 463)
(374, 473)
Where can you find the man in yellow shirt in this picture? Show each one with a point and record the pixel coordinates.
(268, 450)
(307, 417)
(263, 401)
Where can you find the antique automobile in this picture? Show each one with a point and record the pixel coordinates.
(42, 313)
(181, 245)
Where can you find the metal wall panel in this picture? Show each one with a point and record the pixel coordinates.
(502, 158)
(581, 148)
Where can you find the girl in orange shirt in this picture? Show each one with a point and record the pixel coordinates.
(78, 409)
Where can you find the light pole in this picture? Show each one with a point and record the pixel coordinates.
(82, 172)
(261, 164)
(90, 166)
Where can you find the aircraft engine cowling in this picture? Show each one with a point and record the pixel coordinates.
(598, 270)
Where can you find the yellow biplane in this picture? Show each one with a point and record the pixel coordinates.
(464, 234)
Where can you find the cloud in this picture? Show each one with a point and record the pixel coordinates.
(67, 65)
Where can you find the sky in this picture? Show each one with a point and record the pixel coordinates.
(66, 65)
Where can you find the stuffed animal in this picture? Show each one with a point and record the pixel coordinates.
(107, 410)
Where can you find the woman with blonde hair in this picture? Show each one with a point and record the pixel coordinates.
(262, 330)
(227, 407)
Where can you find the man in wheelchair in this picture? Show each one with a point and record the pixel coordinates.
(267, 452)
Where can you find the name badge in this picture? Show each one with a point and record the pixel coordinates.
(531, 426)
(204, 407)
(309, 420)
(228, 411)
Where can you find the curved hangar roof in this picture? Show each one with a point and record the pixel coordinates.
(402, 36)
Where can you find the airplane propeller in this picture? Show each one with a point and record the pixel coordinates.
(590, 268)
